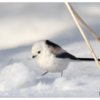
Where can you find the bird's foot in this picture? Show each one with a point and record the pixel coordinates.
(44, 73)
(61, 73)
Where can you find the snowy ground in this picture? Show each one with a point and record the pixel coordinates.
(23, 24)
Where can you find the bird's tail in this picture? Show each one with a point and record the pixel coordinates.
(86, 59)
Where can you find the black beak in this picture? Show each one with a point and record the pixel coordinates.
(33, 56)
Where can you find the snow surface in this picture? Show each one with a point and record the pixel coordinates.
(21, 25)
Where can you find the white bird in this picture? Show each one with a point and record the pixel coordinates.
(52, 58)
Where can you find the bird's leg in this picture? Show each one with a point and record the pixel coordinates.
(44, 73)
(61, 73)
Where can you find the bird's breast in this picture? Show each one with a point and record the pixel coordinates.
(52, 64)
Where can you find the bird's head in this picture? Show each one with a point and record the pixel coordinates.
(44, 47)
(37, 49)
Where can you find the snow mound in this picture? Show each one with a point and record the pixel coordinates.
(14, 76)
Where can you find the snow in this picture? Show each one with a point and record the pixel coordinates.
(23, 24)
(11, 76)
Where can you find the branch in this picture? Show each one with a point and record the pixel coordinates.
(87, 27)
(80, 29)
(9, 61)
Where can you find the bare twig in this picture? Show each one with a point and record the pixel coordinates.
(80, 29)
(87, 27)
(28, 58)
(29, 51)
(9, 61)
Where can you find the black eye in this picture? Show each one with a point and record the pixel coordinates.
(38, 52)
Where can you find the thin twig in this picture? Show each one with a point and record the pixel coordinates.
(80, 29)
(87, 27)
(28, 58)
(29, 51)
(9, 61)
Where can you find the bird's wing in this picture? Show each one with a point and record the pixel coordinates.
(65, 55)
(58, 51)
(54, 48)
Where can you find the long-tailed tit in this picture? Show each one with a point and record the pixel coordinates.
(52, 58)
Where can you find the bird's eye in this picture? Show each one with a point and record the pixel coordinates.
(38, 52)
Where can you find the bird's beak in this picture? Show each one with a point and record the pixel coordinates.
(33, 56)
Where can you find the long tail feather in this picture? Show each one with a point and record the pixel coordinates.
(86, 59)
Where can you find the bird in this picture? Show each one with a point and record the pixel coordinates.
(52, 58)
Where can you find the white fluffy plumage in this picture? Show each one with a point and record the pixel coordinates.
(46, 59)
(52, 58)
